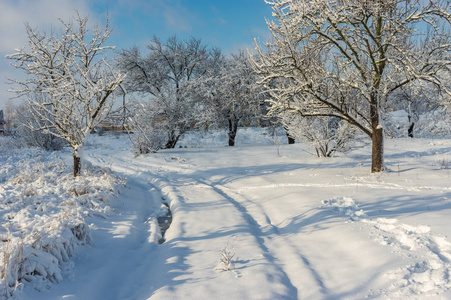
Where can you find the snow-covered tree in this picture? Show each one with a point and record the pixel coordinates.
(165, 76)
(346, 58)
(69, 85)
(10, 117)
(230, 93)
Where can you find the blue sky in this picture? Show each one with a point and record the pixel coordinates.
(227, 24)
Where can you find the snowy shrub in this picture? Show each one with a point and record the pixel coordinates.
(148, 139)
(149, 134)
(100, 131)
(39, 139)
(326, 134)
(10, 142)
(226, 261)
(443, 163)
(43, 215)
(35, 138)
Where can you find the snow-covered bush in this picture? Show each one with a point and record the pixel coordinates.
(148, 139)
(326, 134)
(20, 118)
(149, 135)
(36, 138)
(43, 211)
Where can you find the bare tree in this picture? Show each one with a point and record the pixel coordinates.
(165, 76)
(346, 58)
(69, 83)
(230, 93)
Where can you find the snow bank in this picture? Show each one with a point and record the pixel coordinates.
(43, 212)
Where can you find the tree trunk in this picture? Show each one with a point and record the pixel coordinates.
(173, 139)
(291, 139)
(410, 117)
(377, 138)
(233, 129)
(410, 130)
(377, 163)
(77, 164)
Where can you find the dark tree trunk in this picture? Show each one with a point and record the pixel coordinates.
(291, 139)
(410, 117)
(233, 129)
(77, 164)
(410, 130)
(172, 141)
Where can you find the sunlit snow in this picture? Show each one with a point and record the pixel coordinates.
(299, 227)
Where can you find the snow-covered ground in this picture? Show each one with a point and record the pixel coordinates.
(299, 227)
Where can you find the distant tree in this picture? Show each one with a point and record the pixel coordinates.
(165, 77)
(69, 83)
(10, 117)
(346, 58)
(230, 91)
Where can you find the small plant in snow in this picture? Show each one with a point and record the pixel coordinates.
(443, 164)
(226, 261)
(277, 141)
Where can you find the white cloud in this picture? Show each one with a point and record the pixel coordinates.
(175, 20)
(176, 16)
(40, 14)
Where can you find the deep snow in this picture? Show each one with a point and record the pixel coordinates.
(301, 227)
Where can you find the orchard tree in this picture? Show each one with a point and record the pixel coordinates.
(346, 58)
(165, 76)
(230, 92)
(69, 85)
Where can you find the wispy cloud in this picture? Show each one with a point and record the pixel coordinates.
(177, 16)
(176, 19)
(41, 14)
(38, 13)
